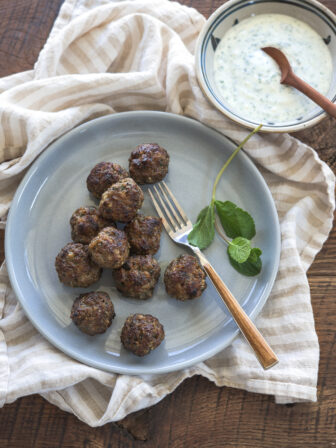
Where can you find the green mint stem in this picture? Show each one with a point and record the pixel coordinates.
(229, 160)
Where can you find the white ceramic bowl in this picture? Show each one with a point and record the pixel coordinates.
(320, 18)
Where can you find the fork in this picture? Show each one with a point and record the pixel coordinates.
(178, 227)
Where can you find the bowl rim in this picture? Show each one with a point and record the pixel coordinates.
(200, 78)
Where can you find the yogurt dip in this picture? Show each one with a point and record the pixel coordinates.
(249, 80)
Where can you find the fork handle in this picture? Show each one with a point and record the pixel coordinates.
(265, 354)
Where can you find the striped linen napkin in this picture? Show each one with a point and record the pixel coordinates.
(104, 57)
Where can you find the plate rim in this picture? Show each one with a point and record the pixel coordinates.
(138, 369)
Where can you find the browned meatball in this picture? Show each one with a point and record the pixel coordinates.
(75, 267)
(141, 333)
(144, 233)
(121, 201)
(137, 277)
(184, 278)
(110, 248)
(148, 163)
(103, 175)
(93, 312)
(85, 223)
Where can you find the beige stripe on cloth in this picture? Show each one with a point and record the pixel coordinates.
(105, 56)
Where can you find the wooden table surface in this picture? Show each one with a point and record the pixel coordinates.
(197, 414)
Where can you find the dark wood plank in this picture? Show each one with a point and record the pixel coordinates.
(25, 25)
(197, 414)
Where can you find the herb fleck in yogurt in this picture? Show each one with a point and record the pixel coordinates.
(249, 80)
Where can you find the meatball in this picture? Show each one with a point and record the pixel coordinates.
(144, 233)
(148, 163)
(85, 223)
(93, 312)
(121, 201)
(102, 176)
(184, 278)
(137, 277)
(110, 248)
(141, 333)
(75, 267)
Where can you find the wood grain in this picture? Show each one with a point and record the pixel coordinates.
(263, 351)
(197, 414)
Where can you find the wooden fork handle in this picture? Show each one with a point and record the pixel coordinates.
(265, 354)
(292, 80)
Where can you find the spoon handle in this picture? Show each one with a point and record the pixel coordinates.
(294, 81)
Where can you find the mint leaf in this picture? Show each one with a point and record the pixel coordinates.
(203, 231)
(252, 266)
(235, 221)
(239, 249)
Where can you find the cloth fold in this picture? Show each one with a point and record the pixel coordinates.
(104, 57)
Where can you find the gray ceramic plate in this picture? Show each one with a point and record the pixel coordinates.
(38, 226)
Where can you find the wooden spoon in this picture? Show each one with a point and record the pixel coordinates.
(289, 77)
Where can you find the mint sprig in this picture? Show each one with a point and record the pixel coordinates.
(252, 266)
(239, 249)
(203, 231)
(236, 222)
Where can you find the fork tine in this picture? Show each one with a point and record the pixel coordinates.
(159, 212)
(177, 205)
(165, 208)
(170, 206)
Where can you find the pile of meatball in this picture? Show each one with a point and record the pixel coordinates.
(98, 243)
